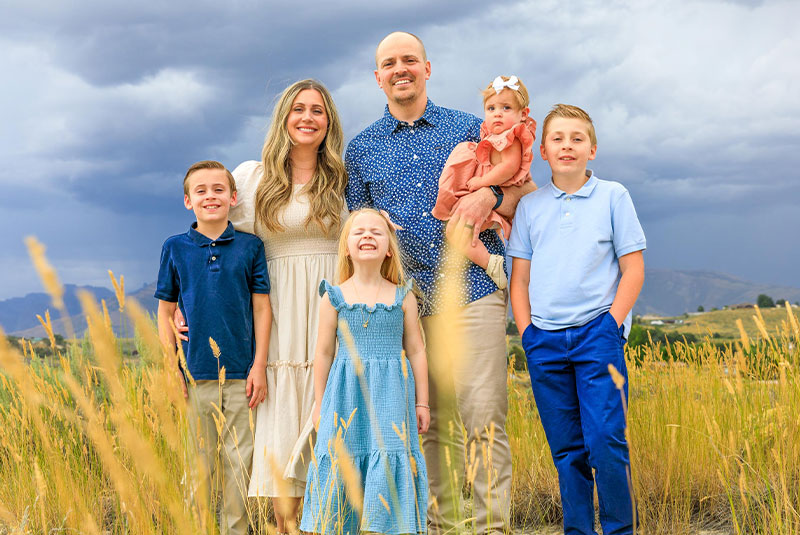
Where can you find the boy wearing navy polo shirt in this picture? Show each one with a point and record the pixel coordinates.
(577, 271)
(218, 277)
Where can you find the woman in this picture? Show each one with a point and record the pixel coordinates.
(293, 200)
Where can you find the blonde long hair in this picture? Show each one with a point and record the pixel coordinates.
(392, 266)
(326, 187)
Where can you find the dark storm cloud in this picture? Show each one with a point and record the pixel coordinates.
(695, 106)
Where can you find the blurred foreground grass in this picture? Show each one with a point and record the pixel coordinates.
(94, 443)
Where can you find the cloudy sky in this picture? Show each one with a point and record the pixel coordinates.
(104, 104)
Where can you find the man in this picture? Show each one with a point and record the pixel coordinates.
(394, 165)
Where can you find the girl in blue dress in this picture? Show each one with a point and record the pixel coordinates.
(370, 405)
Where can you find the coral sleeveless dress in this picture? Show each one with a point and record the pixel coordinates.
(369, 402)
(470, 159)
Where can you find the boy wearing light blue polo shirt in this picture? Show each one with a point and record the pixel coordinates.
(218, 277)
(577, 271)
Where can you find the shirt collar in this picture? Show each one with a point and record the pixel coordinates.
(392, 124)
(585, 190)
(203, 240)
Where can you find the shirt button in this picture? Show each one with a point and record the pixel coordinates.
(214, 257)
(424, 214)
(569, 199)
(213, 244)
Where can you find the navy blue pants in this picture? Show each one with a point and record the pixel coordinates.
(583, 419)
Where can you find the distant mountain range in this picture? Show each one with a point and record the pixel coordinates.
(669, 292)
(18, 314)
(666, 293)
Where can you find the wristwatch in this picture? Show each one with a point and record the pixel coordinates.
(498, 194)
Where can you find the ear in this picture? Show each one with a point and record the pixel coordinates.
(187, 202)
(541, 150)
(593, 152)
(378, 79)
(233, 198)
(388, 254)
(525, 111)
(427, 70)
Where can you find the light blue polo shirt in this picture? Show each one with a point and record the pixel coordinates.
(573, 242)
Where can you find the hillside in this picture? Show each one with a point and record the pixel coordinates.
(670, 292)
(18, 315)
(665, 293)
(721, 324)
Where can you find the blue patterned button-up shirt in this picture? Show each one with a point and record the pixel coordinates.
(395, 166)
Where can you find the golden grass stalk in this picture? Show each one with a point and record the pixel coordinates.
(46, 271)
(350, 475)
(119, 289)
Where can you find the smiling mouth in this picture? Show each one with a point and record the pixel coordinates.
(367, 247)
(402, 81)
(306, 130)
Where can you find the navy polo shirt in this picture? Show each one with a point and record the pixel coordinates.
(212, 282)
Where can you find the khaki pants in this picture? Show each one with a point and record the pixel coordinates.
(467, 359)
(232, 464)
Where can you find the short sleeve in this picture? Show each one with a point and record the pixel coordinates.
(334, 295)
(356, 193)
(403, 290)
(519, 244)
(628, 233)
(259, 281)
(167, 286)
(247, 176)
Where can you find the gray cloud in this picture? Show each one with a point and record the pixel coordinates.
(695, 106)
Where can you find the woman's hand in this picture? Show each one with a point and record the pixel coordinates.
(423, 418)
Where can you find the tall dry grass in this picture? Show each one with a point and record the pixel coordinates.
(92, 443)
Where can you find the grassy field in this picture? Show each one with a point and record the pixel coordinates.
(97, 443)
(723, 323)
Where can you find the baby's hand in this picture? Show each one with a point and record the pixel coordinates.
(474, 183)
(423, 419)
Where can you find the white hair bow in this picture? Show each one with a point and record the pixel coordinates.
(499, 84)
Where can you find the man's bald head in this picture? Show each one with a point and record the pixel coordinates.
(395, 37)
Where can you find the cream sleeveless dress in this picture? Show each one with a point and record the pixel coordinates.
(298, 259)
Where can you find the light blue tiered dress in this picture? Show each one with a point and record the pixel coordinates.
(375, 413)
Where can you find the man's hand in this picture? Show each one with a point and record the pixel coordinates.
(256, 388)
(180, 325)
(471, 211)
